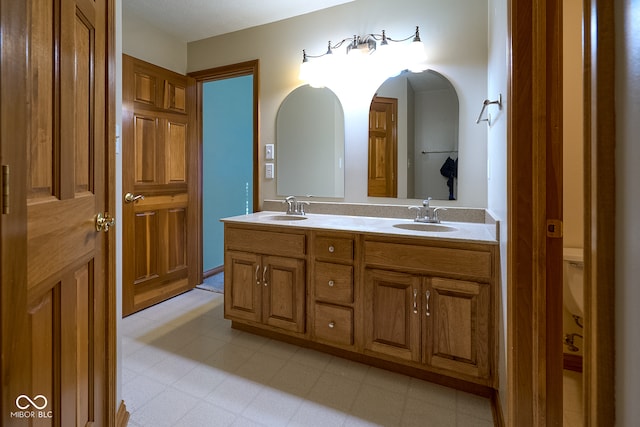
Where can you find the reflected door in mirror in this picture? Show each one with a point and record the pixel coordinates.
(383, 147)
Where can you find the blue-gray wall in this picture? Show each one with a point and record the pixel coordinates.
(227, 165)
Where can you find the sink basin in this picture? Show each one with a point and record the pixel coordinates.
(286, 217)
(420, 226)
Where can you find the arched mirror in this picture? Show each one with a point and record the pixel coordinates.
(310, 144)
(413, 138)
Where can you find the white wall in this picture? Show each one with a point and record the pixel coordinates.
(144, 41)
(456, 40)
(627, 212)
(497, 163)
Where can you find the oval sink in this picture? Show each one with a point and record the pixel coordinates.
(286, 217)
(420, 226)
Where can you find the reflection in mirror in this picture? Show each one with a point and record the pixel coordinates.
(310, 144)
(425, 128)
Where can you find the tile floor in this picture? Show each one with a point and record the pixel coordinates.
(183, 365)
(572, 399)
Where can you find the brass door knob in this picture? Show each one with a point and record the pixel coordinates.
(130, 197)
(104, 221)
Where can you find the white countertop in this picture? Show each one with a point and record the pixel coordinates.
(463, 231)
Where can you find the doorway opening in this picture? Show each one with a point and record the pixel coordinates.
(227, 122)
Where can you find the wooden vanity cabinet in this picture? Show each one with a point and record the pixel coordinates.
(265, 278)
(331, 296)
(440, 323)
(421, 306)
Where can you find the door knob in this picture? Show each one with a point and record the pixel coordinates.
(104, 221)
(130, 197)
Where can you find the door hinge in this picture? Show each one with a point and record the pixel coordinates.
(6, 205)
(554, 228)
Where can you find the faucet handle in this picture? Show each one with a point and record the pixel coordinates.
(418, 210)
(435, 213)
(425, 202)
(301, 207)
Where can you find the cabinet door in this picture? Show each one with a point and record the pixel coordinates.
(456, 326)
(393, 324)
(242, 286)
(284, 293)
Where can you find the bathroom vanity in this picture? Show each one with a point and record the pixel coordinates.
(412, 297)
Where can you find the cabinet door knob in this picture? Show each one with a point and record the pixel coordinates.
(331, 249)
(332, 324)
(331, 283)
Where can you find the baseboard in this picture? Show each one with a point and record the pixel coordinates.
(572, 362)
(212, 272)
(122, 416)
(496, 409)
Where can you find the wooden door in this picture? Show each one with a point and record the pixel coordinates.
(393, 326)
(383, 147)
(59, 367)
(456, 329)
(160, 227)
(284, 296)
(243, 286)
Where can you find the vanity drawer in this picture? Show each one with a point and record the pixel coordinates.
(265, 242)
(333, 248)
(333, 324)
(333, 282)
(473, 263)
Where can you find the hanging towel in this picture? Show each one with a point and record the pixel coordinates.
(450, 171)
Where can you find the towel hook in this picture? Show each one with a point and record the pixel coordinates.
(484, 105)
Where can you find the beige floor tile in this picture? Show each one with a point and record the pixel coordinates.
(295, 379)
(432, 393)
(387, 380)
(334, 392)
(165, 409)
(377, 405)
(272, 407)
(206, 414)
(311, 414)
(477, 406)
(234, 394)
(418, 413)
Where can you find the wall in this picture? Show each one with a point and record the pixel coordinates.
(456, 46)
(573, 135)
(497, 164)
(144, 41)
(627, 172)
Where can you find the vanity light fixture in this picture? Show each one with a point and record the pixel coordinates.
(364, 54)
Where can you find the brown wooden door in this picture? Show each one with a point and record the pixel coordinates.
(393, 326)
(456, 330)
(383, 148)
(59, 368)
(160, 228)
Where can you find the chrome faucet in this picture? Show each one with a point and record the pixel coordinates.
(426, 213)
(295, 207)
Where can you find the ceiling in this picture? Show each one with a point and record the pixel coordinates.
(189, 20)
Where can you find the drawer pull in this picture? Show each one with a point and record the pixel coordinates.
(331, 283)
(332, 325)
(257, 278)
(264, 275)
(428, 295)
(415, 302)
(331, 249)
